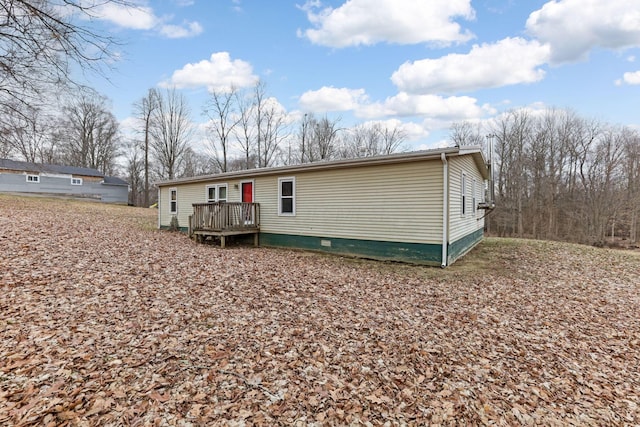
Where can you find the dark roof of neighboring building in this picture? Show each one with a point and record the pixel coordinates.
(38, 167)
(69, 170)
(112, 180)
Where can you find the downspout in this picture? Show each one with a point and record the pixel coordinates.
(445, 207)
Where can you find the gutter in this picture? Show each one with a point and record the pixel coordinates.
(445, 207)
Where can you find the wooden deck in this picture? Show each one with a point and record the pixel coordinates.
(222, 219)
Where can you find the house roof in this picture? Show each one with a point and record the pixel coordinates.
(112, 180)
(60, 169)
(407, 157)
(38, 167)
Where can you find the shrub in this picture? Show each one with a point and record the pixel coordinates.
(173, 225)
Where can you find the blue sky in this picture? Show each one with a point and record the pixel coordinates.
(418, 64)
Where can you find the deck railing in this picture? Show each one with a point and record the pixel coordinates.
(224, 216)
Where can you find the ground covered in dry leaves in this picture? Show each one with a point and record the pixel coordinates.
(106, 321)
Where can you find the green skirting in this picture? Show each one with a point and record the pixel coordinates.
(463, 245)
(180, 229)
(418, 253)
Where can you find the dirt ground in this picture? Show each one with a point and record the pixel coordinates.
(106, 321)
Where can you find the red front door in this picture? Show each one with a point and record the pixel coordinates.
(247, 197)
(247, 192)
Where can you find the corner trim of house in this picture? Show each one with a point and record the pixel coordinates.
(463, 245)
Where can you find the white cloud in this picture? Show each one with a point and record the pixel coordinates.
(630, 78)
(140, 17)
(129, 126)
(509, 61)
(433, 106)
(332, 99)
(237, 6)
(218, 73)
(573, 27)
(414, 131)
(132, 17)
(328, 99)
(367, 22)
(188, 29)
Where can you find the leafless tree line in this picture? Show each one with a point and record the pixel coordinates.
(83, 132)
(561, 176)
(46, 116)
(248, 129)
(245, 129)
(40, 41)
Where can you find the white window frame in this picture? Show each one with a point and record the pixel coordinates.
(172, 201)
(474, 197)
(291, 179)
(463, 194)
(33, 179)
(216, 193)
(76, 181)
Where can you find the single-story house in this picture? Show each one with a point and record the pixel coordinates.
(423, 207)
(27, 177)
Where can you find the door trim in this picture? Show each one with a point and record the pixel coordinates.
(253, 189)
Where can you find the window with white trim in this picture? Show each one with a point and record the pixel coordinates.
(173, 201)
(463, 194)
(217, 193)
(76, 181)
(473, 196)
(33, 178)
(287, 196)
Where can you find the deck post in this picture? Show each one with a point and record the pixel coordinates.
(256, 239)
(222, 242)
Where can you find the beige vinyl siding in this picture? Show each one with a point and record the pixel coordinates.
(397, 202)
(188, 194)
(462, 225)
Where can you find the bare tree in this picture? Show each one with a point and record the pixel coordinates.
(371, 139)
(258, 107)
(273, 131)
(466, 133)
(563, 177)
(246, 133)
(134, 166)
(320, 138)
(196, 164)
(28, 133)
(631, 171)
(5, 147)
(91, 133)
(224, 115)
(304, 136)
(325, 133)
(40, 41)
(391, 138)
(600, 179)
(171, 131)
(363, 140)
(144, 110)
